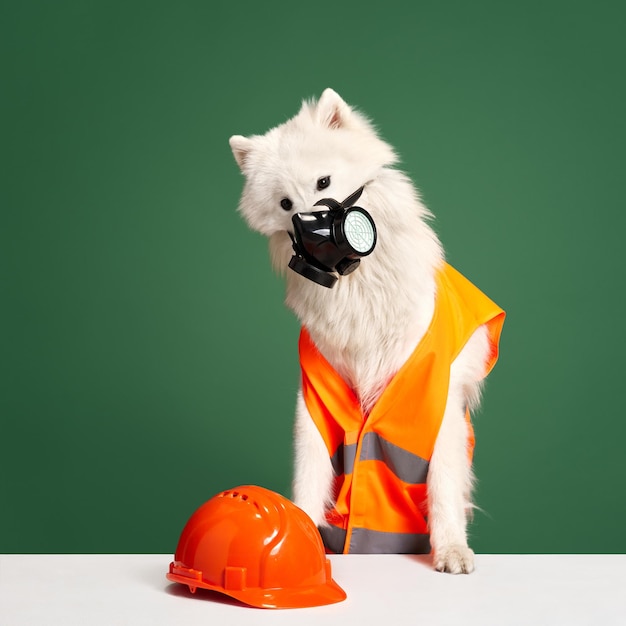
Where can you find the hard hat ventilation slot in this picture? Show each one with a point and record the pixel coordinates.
(235, 494)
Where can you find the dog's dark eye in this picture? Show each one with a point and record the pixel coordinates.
(286, 204)
(323, 182)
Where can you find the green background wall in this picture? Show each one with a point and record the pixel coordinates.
(147, 360)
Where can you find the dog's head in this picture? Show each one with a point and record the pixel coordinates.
(327, 150)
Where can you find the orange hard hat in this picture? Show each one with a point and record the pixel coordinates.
(258, 547)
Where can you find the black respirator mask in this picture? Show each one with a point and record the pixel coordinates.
(331, 240)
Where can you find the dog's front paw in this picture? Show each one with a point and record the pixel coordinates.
(454, 559)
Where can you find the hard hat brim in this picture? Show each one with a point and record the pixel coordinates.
(328, 593)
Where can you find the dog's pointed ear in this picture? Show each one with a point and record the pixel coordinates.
(331, 110)
(241, 147)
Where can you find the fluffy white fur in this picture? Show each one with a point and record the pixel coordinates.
(371, 321)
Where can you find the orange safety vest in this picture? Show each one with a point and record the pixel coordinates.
(381, 459)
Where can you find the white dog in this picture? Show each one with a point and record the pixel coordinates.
(369, 324)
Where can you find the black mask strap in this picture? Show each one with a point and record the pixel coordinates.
(333, 205)
(352, 198)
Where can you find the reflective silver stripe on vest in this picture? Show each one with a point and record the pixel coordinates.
(343, 459)
(364, 541)
(407, 466)
(334, 538)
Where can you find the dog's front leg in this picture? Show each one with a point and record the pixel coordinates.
(450, 476)
(313, 472)
(449, 481)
